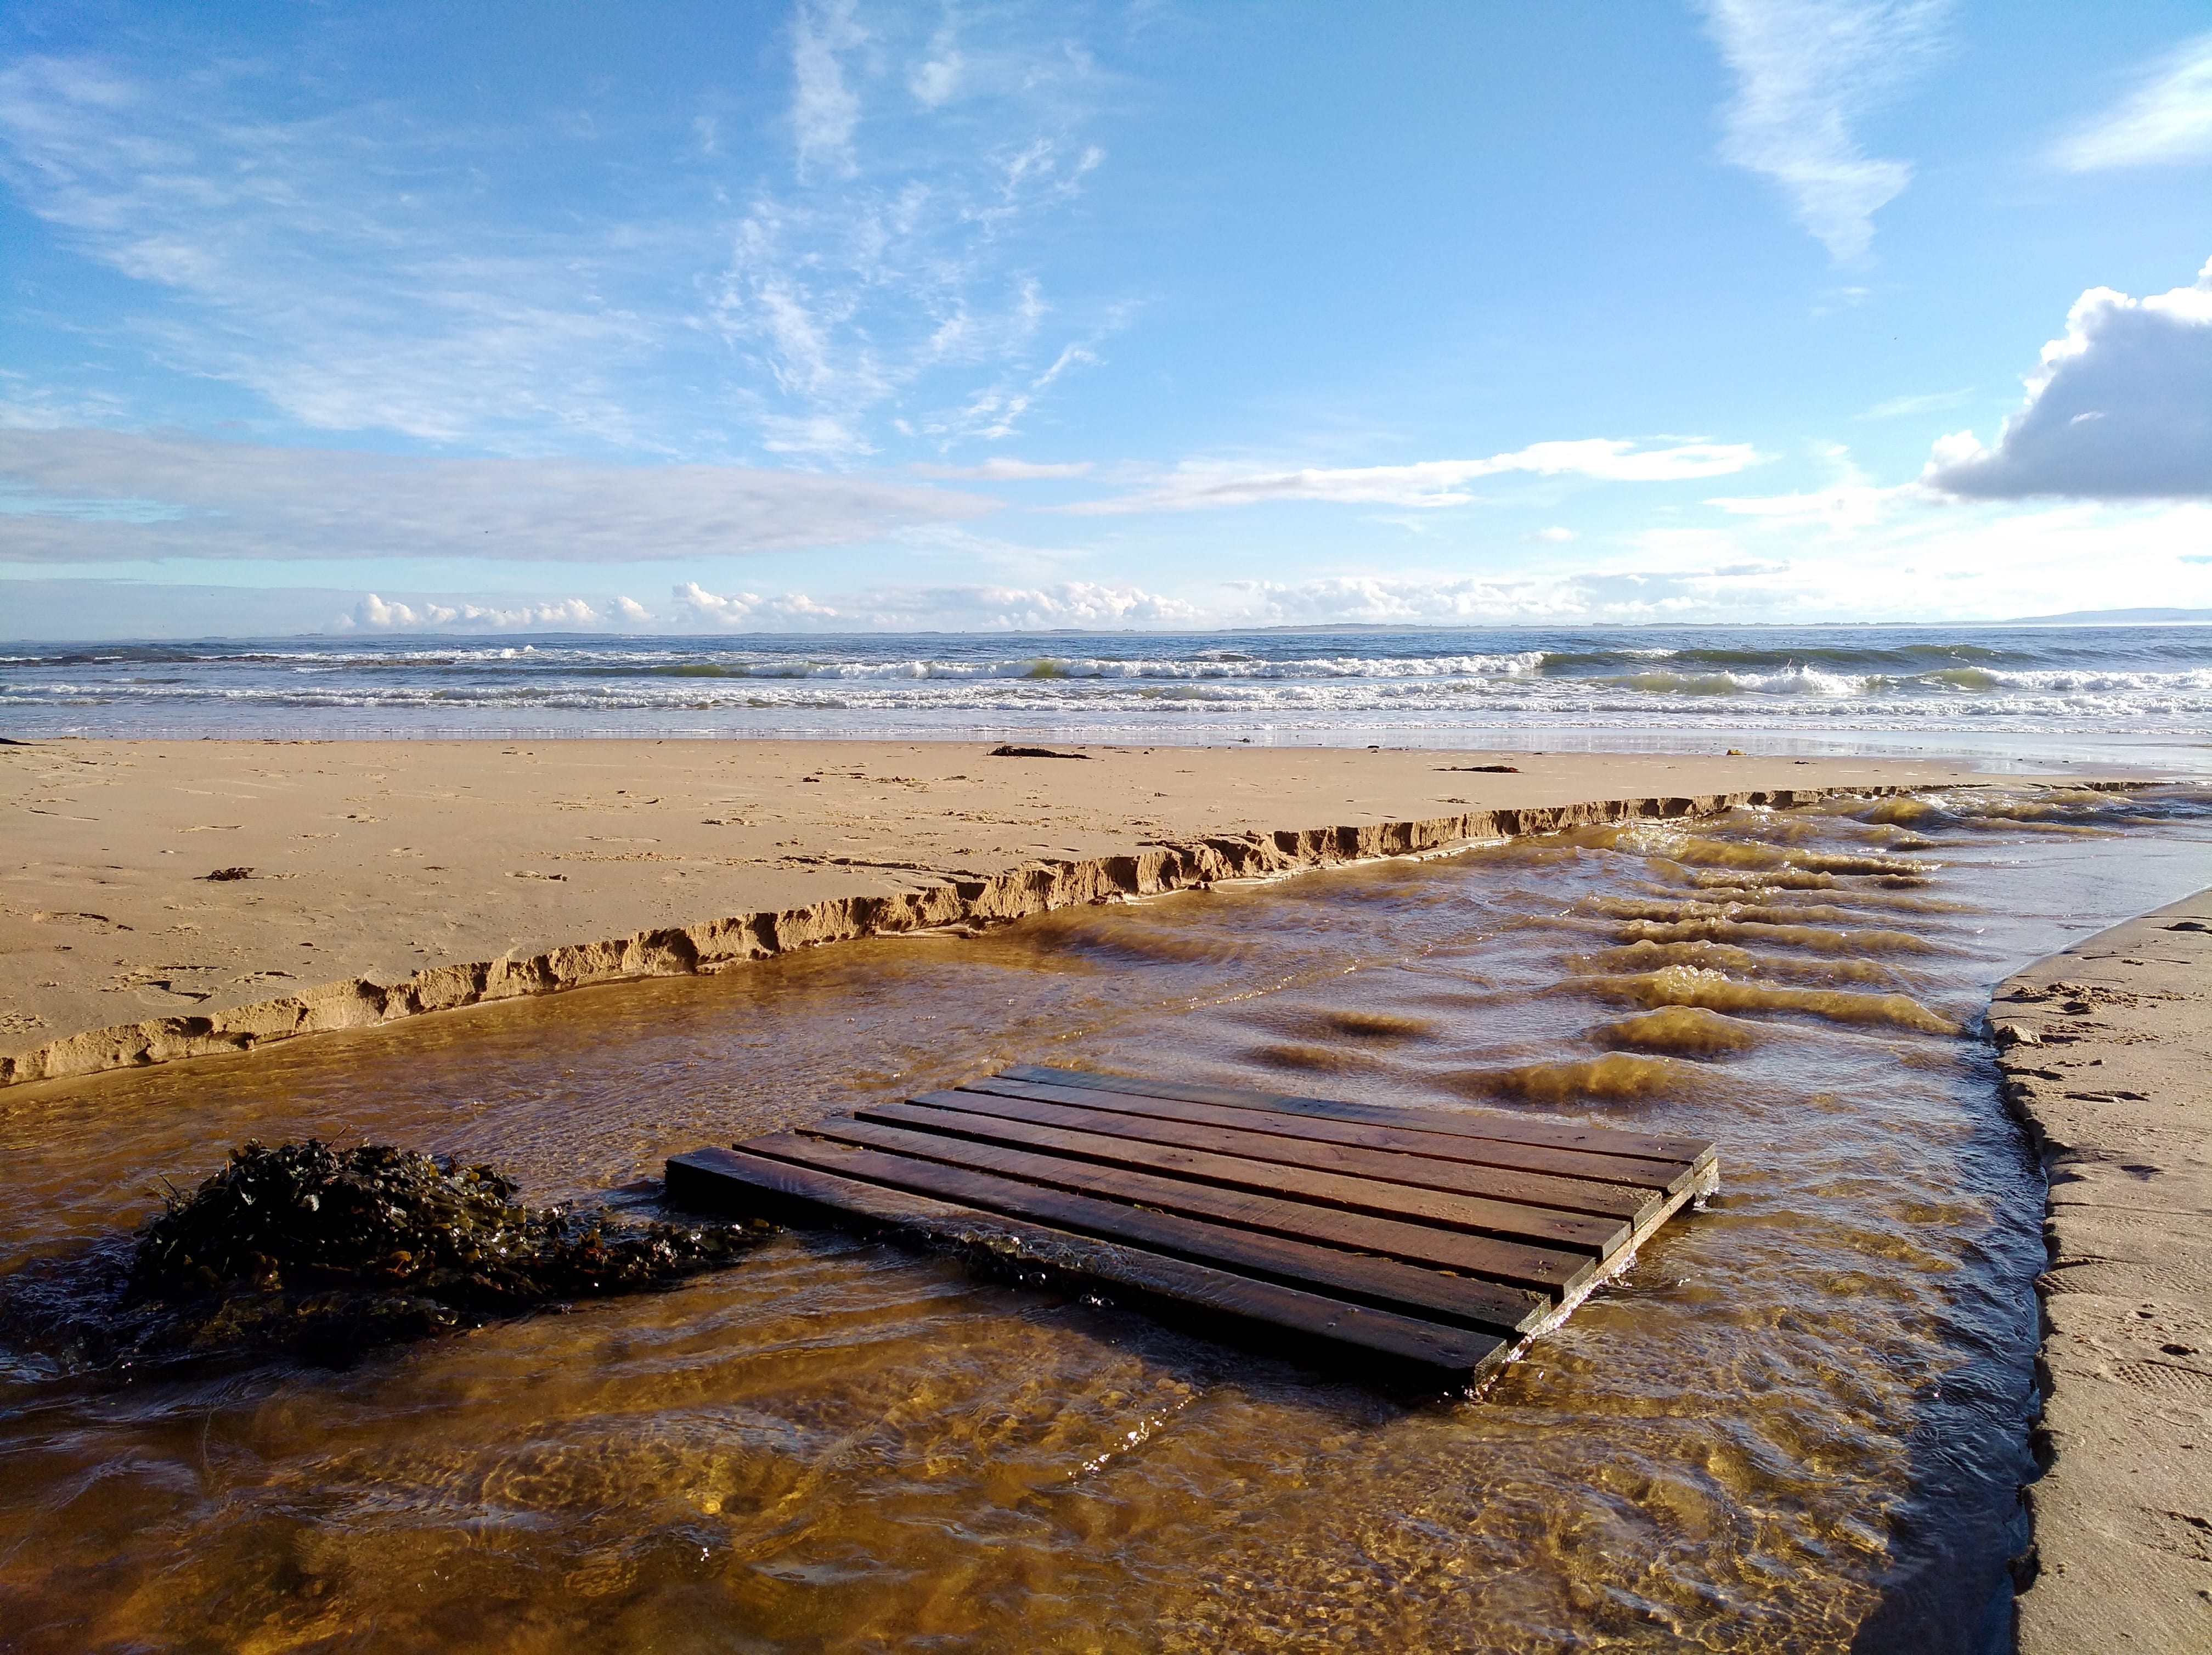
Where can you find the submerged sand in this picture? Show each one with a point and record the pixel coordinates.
(2107, 1059)
(166, 899)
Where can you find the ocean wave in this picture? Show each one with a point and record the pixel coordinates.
(1795, 699)
(2067, 681)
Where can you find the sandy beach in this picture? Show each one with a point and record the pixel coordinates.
(2105, 1049)
(1847, 1331)
(164, 899)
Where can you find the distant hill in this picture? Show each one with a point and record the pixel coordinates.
(2110, 618)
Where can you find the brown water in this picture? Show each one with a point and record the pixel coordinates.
(1798, 1423)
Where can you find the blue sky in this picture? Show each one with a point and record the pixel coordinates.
(668, 317)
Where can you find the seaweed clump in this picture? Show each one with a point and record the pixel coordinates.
(329, 1252)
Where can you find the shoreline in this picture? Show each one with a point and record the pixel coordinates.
(2121, 1541)
(179, 899)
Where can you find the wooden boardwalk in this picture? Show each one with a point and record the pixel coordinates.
(1433, 1239)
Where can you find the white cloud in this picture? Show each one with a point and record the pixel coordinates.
(2120, 408)
(1807, 69)
(1082, 604)
(630, 610)
(824, 110)
(1928, 403)
(77, 496)
(936, 79)
(889, 270)
(363, 265)
(1001, 469)
(1193, 487)
(1846, 505)
(373, 613)
(1555, 534)
(2168, 117)
(748, 608)
(331, 263)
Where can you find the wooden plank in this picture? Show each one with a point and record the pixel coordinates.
(1432, 1149)
(1512, 1129)
(1391, 1166)
(1464, 1300)
(1546, 1227)
(1521, 1264)
(719, 1177)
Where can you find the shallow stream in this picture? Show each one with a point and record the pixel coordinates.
(1797, 1423)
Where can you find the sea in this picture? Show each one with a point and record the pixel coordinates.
(2028, 695)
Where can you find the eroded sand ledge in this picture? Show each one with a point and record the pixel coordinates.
(2106, 1054)
(402, 877)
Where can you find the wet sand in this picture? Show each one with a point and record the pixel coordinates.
(2107, 1049)
(170, 899)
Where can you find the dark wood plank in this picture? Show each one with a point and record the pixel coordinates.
(1521, 1264)
(1513, 1128)
(1667, 1177)
(1464, 1300)
(721, 1176)
(1546, 1227)
(1500, 1183)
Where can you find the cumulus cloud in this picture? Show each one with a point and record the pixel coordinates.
(1074, 604)
(87, 496)
(372, 613)
(1806, 71)
(2120, 408)
(2167, 118)
(1194, 487)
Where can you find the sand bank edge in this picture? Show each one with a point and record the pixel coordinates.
(2121, 1516)
(717, 945)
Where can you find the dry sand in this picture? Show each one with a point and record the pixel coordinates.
(2108, 1056)
(386, 878)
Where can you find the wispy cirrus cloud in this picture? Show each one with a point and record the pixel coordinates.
(77, 496)
(1928, 401)
(635, 280)
(319, 259)
(1001, 469)
(824, 109)
(893, 264)
(1806, 71)
(2167, 118)
(1433, 482)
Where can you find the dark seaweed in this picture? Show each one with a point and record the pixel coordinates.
(327, 1252)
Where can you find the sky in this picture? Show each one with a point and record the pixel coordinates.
(847, 316)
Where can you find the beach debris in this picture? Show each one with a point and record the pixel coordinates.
(1032, 753)
(1496, 769)
(222, 874)
(328, 1252)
